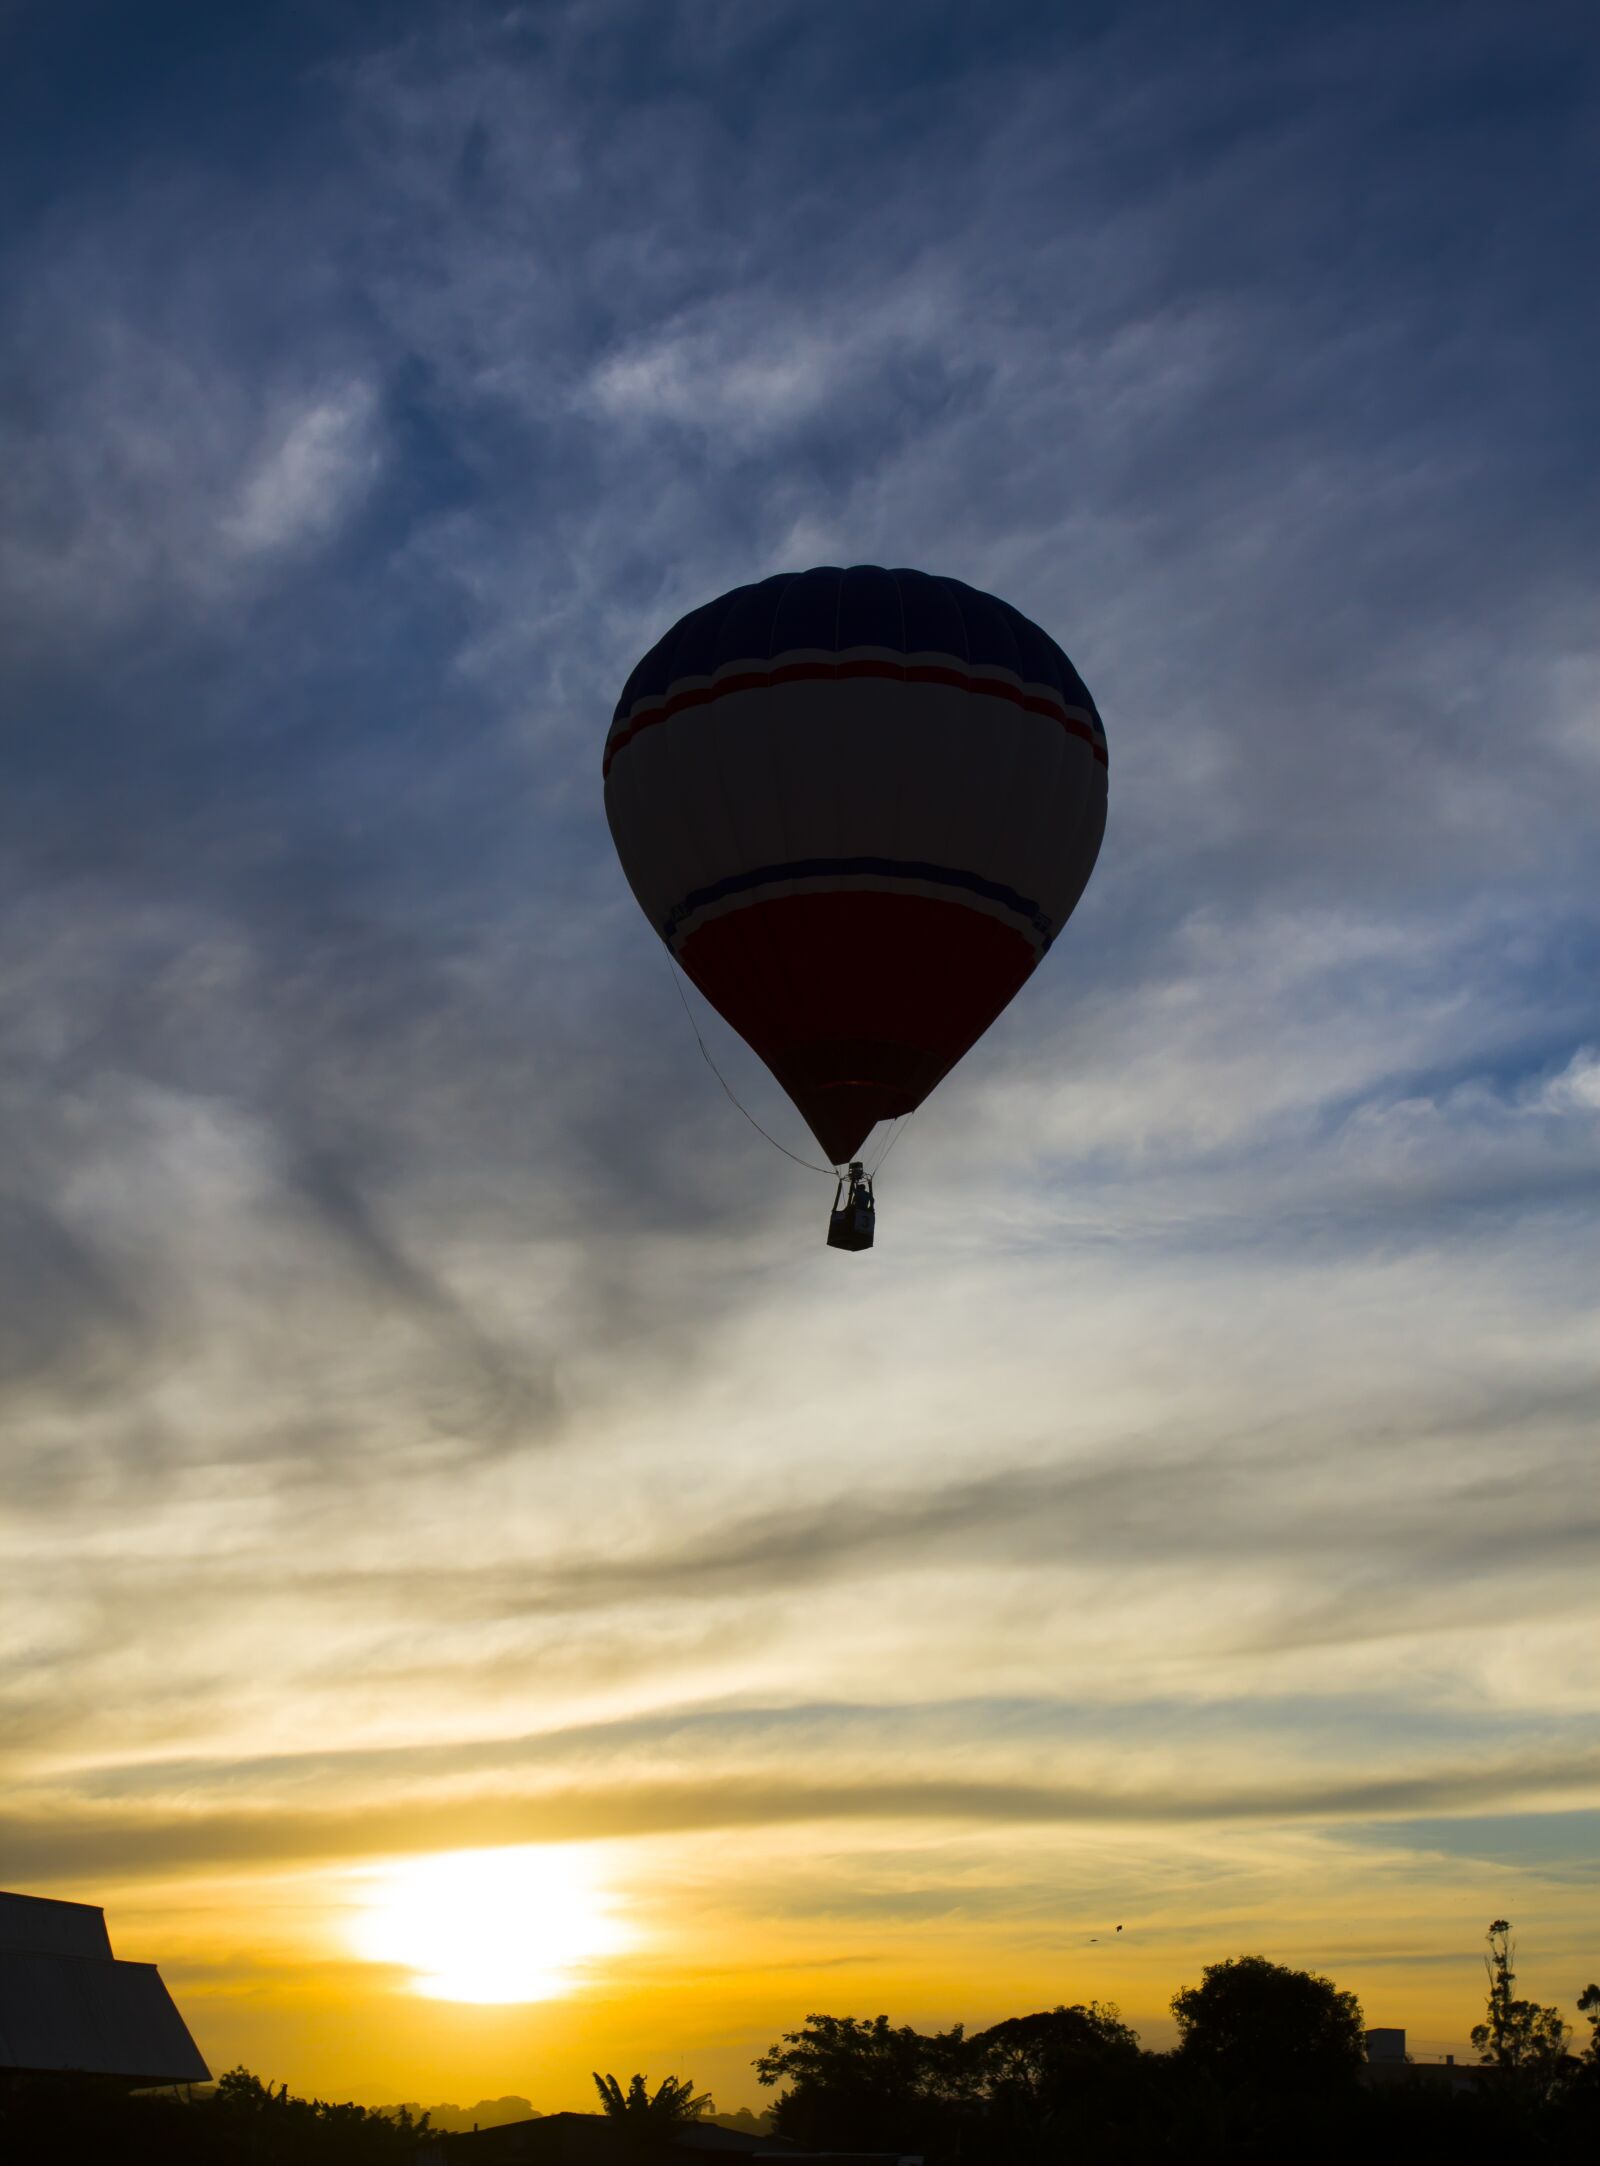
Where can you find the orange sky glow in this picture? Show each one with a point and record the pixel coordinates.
(486, 1594)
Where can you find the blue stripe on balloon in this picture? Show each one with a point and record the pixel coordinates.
(831, 608)
(836, 868)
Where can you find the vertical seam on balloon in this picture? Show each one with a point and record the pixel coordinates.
(841, 785)
(1005, 795)
(784, 970)
(953, 599)
(1017, 737)
(950, 586)
(692, 818)
(1044, 810)
(737, 841)
(966, 930)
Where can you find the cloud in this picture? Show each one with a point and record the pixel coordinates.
(319, 460)
(65, 1846)
(157, 476)
(404, 1345)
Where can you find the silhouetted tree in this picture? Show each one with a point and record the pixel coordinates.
(276, 2126)
(673, 2102)
(743, 2121)
(1265, 2074)
(1045, 2077)
(1259, 2023)
(1589, 2005)
(856, 2084)
(1516, 2034)
(484, 2113)
(1581, 2100)
(1032, 2065)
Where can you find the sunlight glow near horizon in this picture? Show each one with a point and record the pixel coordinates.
(458, 1520)
(490, 1925)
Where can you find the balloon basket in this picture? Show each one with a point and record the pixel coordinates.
(852, 1219)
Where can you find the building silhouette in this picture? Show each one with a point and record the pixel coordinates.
(68, 2006)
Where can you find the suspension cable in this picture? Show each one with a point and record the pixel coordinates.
(898, 1131)
(810, 1164)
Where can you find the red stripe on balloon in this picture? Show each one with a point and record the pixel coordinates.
(759, 680)
(858, 1002)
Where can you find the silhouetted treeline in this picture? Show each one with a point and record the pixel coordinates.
(238, 2121)
(1270, 2066)
(487, 2113)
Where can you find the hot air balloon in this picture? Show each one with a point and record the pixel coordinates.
(858, 806)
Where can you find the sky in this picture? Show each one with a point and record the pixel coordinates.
(433, 1425)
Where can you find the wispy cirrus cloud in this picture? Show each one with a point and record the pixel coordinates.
(403, 1343)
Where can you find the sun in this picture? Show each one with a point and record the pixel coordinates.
(489, 1925)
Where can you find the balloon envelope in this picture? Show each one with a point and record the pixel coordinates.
(858, 806)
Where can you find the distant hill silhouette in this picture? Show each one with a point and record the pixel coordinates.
(456, 2120)
(497, 2112)
(744, 2122)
